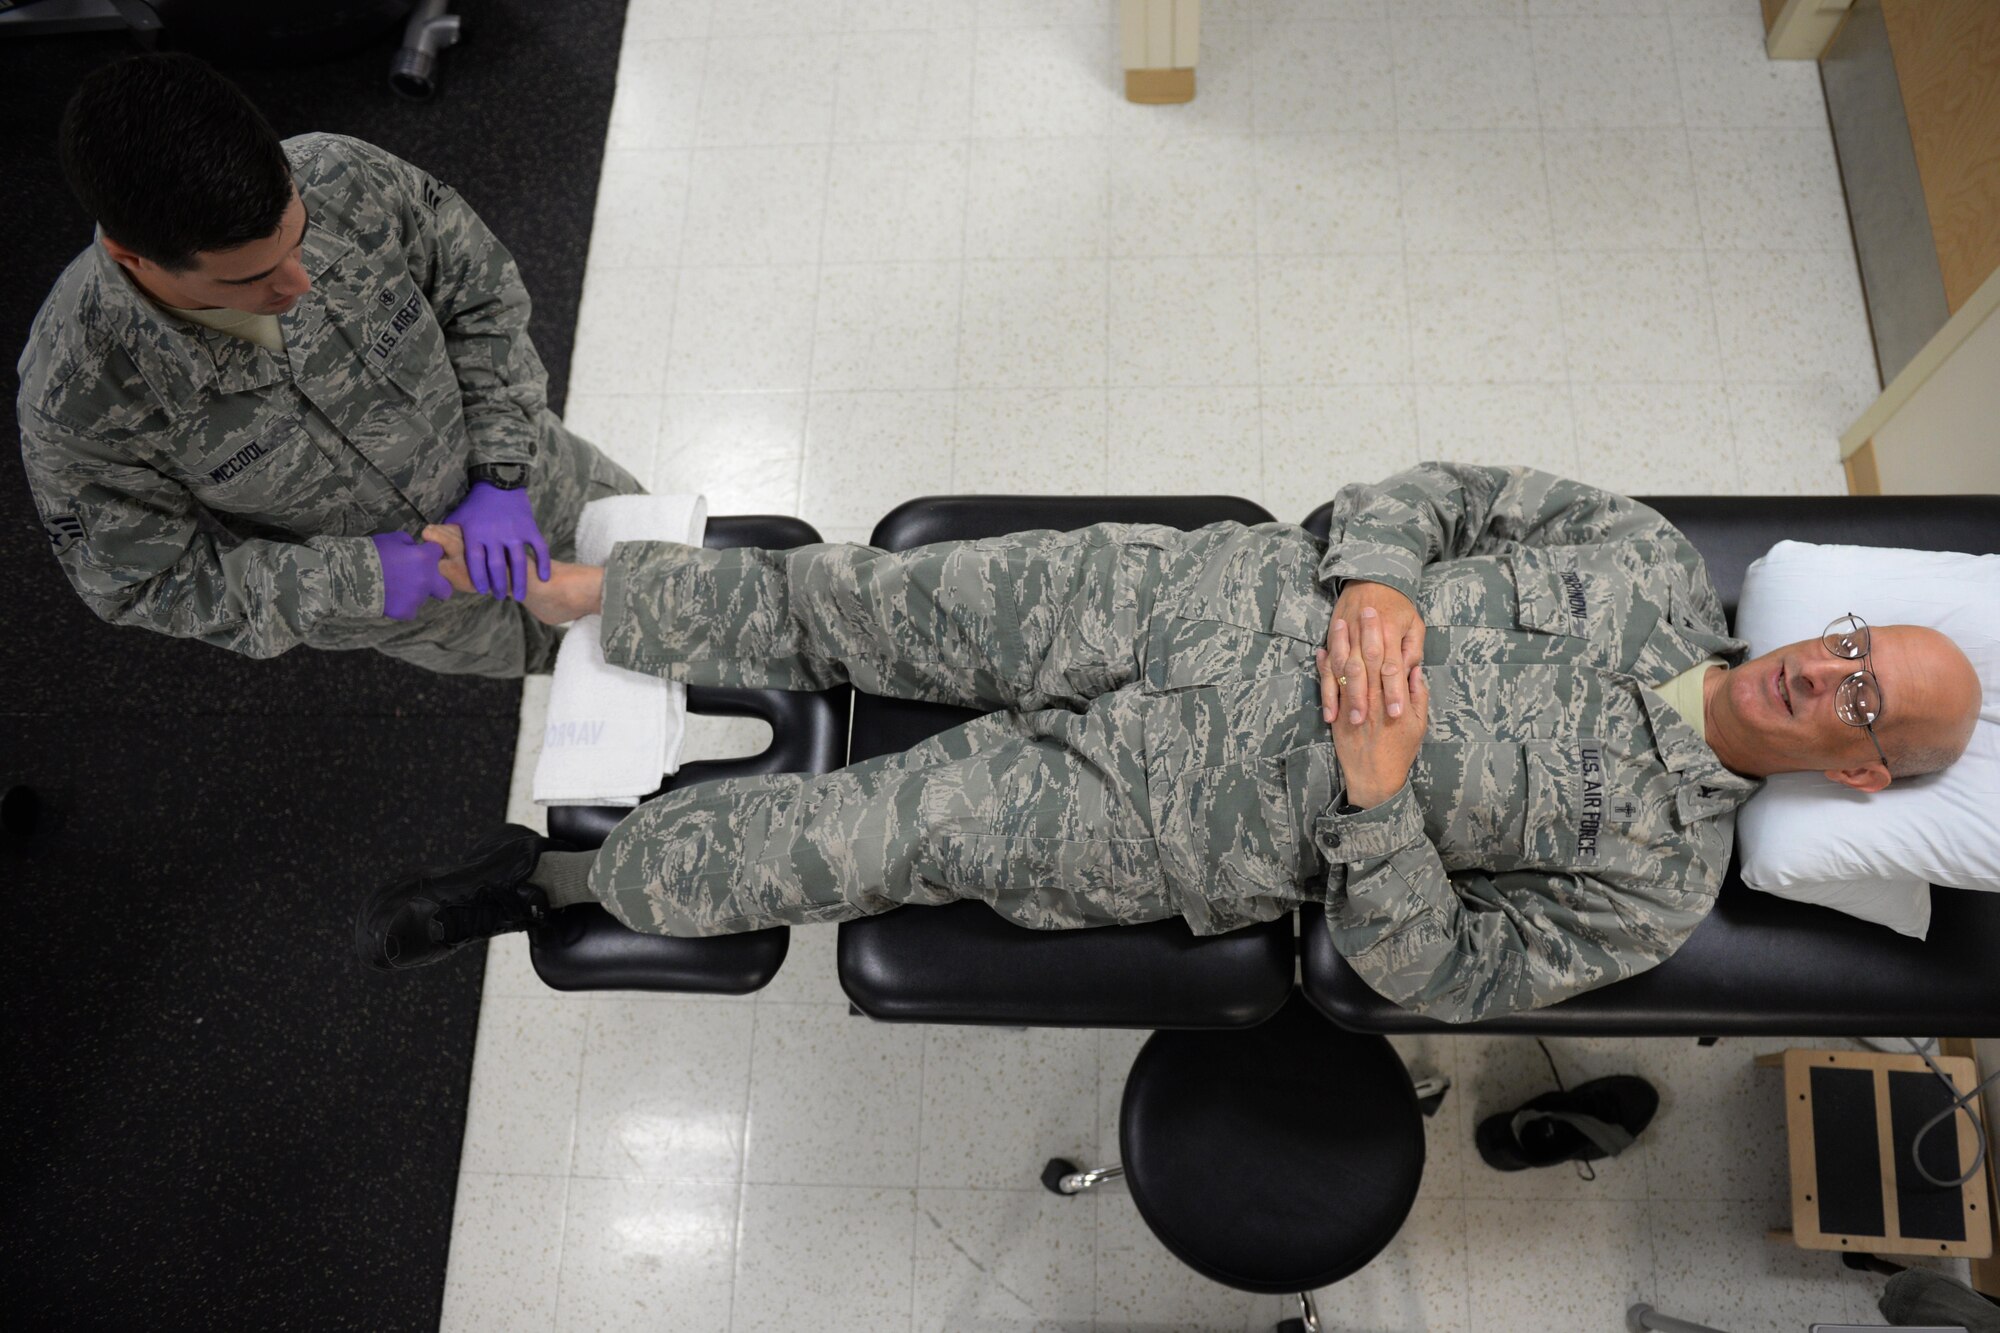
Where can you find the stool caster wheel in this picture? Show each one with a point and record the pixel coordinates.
(1053, 1173)
(1308, 1317)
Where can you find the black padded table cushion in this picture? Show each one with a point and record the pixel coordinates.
(963, 963)
(1763, 965)
(1280, 1159)
(585, 948)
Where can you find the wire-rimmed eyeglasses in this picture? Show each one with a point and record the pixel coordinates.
(1857, 700)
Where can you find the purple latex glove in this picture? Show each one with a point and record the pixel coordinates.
(410, 574)
(499, 532)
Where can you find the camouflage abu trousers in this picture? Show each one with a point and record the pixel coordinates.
(1157, 749)
(494, 636)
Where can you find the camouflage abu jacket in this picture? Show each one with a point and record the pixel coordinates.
(193, 483)
(1563, 827)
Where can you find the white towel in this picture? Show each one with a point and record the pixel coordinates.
(613, 733)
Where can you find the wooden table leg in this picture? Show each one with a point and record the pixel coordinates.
(1158, 42)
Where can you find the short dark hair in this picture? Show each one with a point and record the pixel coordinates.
(171, 159)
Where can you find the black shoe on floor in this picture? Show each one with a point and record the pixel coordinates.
(1589, 1122)
(422, 920)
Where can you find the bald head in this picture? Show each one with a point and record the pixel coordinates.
(1936, 725)
(1776, 714)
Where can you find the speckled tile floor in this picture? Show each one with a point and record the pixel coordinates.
(846, 253)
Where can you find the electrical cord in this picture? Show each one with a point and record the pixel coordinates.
(1959, 1103)
(1879, 1044)
(1584, 1170)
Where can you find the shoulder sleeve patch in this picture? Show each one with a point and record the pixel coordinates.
(65, 530)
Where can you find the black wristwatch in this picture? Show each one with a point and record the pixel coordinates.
(501, 476)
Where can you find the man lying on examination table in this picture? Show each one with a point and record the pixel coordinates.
(1496, 724)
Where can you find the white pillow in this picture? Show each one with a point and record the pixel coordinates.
(1875, 857)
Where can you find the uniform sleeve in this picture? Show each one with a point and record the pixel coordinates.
(1465, 945)
(475, 290)
(1446, 511)
(134, 546)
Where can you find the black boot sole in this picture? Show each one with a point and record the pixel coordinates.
(508, 855)
(371, 926)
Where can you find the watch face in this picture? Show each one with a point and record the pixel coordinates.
(507, 476)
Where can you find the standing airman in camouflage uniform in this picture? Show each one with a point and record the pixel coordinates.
(197, 483)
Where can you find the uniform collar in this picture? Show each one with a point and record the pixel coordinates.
(323, 248)
(1706, 787)
(170, 355)
(179, 359)
(1673, 647)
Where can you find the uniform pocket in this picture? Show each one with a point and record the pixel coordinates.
(1264, 578)
(405, 346)
(279, 477)
(1251, 607)
(1312, 781)
(1474, 798)
(1549, 598)
(1248, 826)
(405, 343)
(1579, 816)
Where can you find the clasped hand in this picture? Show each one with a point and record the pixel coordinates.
(502, 541)
(570, 590)
(1372, 689)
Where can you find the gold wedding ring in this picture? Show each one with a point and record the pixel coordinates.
(1343, 682)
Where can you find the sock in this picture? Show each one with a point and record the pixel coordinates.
(565, 878)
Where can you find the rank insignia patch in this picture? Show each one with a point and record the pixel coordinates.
(65, 531)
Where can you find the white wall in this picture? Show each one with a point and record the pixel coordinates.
(1947, 436)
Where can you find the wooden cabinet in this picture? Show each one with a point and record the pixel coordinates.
(1913, 94)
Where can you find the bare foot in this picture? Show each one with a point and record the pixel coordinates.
(571, 590)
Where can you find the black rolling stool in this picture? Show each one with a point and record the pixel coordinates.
(1274, 1159)
(585, 948)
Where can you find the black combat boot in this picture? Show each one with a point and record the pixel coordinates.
(422, 920)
